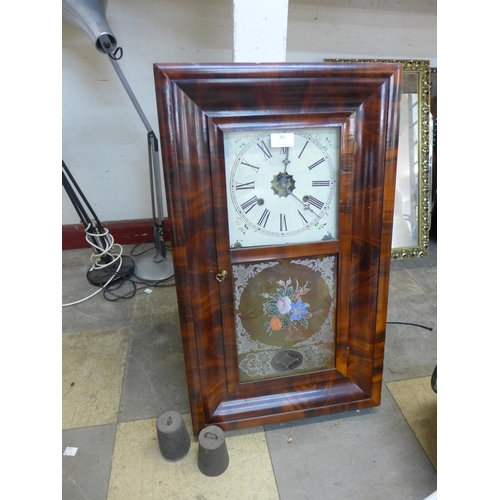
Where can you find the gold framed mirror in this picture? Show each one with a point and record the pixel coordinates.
(412, 209)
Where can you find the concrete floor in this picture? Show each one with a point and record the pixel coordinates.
(123, 366)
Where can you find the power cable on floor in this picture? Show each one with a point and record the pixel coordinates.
(119, 280)
(410, 324)
(110, 293)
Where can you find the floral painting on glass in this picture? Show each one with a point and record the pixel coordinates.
(285, 317)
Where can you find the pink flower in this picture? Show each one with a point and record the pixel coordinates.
(284, 304)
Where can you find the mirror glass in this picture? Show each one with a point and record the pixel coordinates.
(406, 212)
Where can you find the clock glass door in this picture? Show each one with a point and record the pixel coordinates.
(282, 192)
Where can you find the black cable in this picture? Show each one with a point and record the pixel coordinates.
(117, 285)
(132, 254)
(111, 289)
(152, 249)
(411, 324)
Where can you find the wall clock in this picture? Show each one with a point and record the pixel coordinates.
(280, 186)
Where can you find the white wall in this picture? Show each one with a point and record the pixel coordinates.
(103, 138)
(399, 29)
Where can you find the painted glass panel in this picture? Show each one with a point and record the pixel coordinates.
(285, 316)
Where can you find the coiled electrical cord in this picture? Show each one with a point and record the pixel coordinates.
(119, 280)
(102, 258)
(100, 253)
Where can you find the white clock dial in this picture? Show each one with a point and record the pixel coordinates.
(282, 186)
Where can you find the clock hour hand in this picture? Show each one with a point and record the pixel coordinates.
(286, 161)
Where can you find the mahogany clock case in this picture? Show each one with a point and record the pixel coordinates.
(198, 105)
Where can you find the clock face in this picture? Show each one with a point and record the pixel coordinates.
(282, 186)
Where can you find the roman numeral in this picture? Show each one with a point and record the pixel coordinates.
(284, 151)
(320, 183)
(245, 185)
(315, 202)
(263, 148)
(264, 218)
(283, 226)
(251, 166)
(316, 164)
(249, 204)
(302, 217)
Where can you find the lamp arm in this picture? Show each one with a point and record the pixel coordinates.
(154, 160)
(91, 226)
(156, 196)
(125, 84)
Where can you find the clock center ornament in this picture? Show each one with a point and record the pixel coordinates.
(283, 184)
(280, 187)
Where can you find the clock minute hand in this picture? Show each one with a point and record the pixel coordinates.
(305, 205)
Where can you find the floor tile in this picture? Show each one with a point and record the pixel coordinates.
(155, 375)
(418, 403)
(411, 333)
(366, 455)
(86, 474)
(410, 347)
(401, 283)
(154, 305)
(92, 373)
(93, 314)
(422, 270)
(139, 471)
(419, 308)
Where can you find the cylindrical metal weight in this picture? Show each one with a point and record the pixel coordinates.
(213, 458)
(173, 436)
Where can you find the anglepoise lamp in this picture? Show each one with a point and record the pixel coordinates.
(107, 267)
(90, 15)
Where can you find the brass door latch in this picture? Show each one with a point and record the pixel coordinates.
(220, 277)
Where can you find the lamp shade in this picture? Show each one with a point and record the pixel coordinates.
(90, 15)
